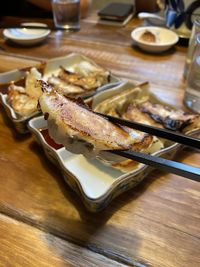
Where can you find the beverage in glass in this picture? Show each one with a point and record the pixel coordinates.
(66, 14)
(192, 91)
(191, 46)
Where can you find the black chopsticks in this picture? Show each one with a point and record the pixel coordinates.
(187, 171)
(169, 166)
(164, 133)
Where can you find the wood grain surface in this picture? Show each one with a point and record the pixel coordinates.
(155, 224)
(24, 245)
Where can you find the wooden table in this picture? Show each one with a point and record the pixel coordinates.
(43, 223)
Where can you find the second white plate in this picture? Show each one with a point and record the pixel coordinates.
(26, 36)
(165, 39)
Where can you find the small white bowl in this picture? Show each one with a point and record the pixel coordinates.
(164, 39)
(26, 36)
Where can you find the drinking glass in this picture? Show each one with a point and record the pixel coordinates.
(191, 46)
(192, 91)
(66, 14)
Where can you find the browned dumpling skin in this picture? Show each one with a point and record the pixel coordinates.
(148, 36)
(168, 117)
(69, 118)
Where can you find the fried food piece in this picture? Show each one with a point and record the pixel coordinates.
(133, 113)
(71, 122)
(31, 83)
(89, 82)
(21, 102)
(24, 100)
(65, 88)
(168, 117)
(76, 121)
(79, 79)
(148, 36)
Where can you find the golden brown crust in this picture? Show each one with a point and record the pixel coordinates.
(77, 121)
(148, 36)
(169, 118)
(83, 79)
(126, 165)
(22, 103)
(68, 118)
(133, 113)
(24, 99)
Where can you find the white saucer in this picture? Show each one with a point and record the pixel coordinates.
(165, 39)
(27, 36)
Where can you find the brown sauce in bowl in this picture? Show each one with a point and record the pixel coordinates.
(49, 140)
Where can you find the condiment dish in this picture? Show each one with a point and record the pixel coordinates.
(164, 39)
(24, 36)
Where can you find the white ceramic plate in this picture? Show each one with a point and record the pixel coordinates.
(165, 39)
(96, 183)
(26, 36)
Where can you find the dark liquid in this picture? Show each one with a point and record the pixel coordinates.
(49, 140)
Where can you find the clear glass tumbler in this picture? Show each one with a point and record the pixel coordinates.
(66, 14)
(192, 91)
(191, 46)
